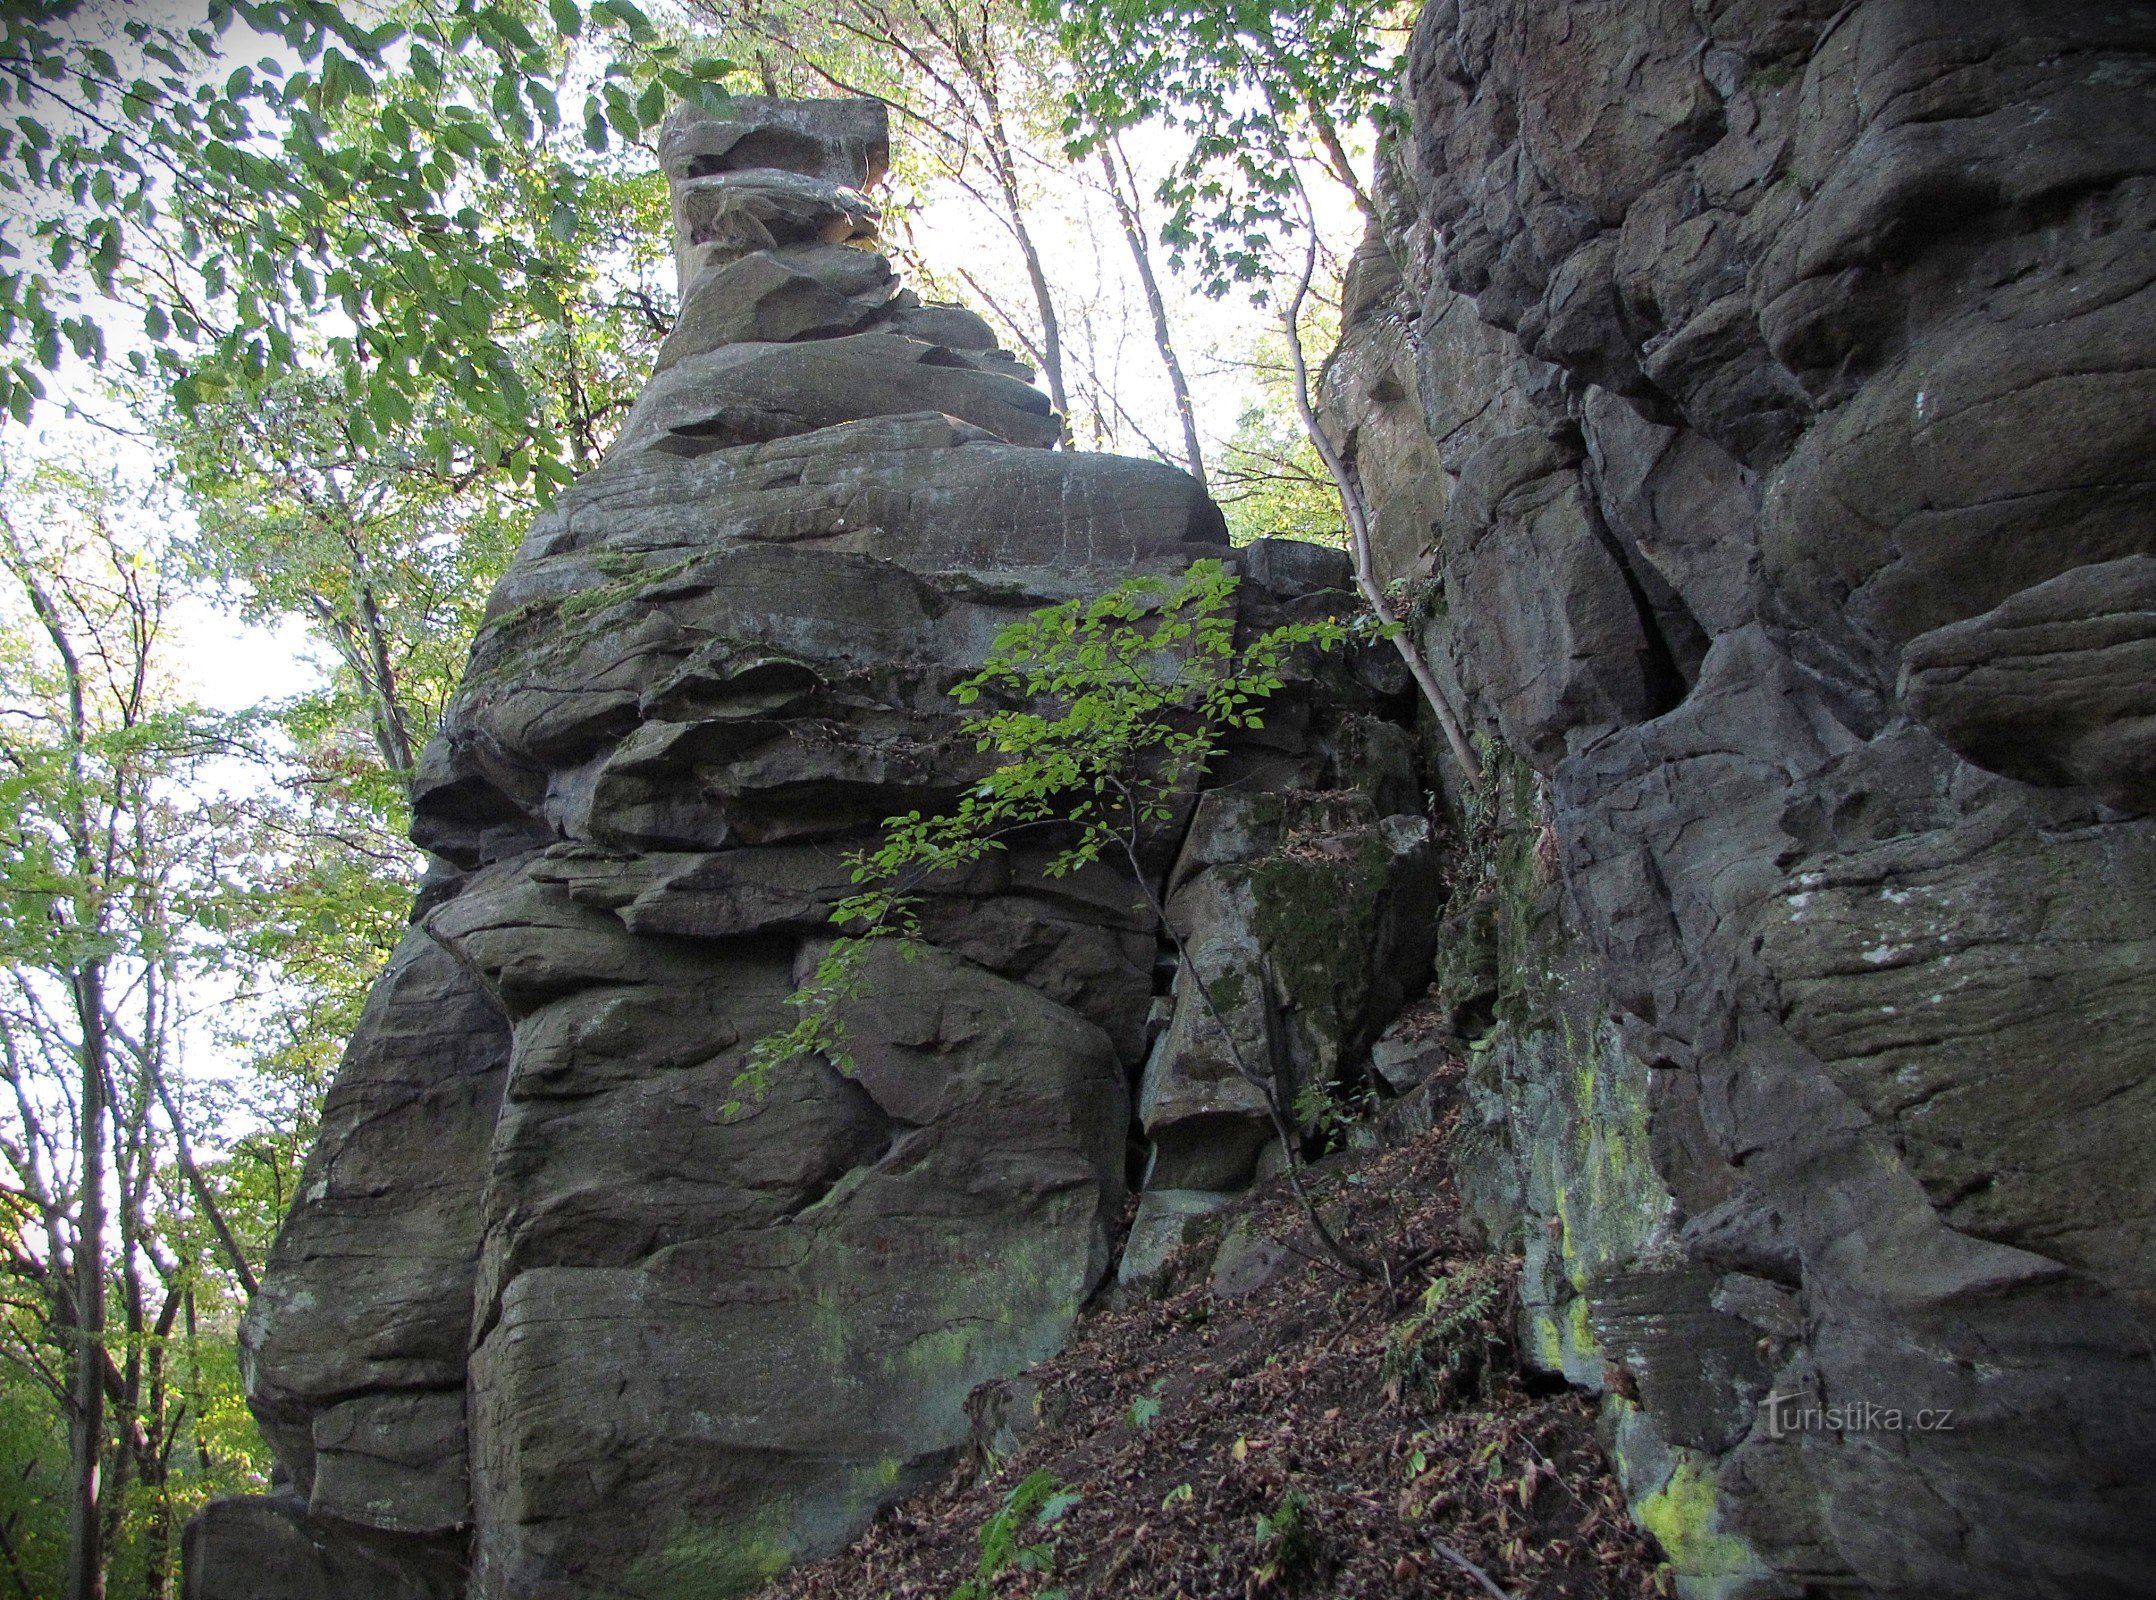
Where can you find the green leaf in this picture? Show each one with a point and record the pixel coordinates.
(651, 104)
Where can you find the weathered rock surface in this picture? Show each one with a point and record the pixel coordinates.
(271, 1549)
(562, 1309)
(1786, 368)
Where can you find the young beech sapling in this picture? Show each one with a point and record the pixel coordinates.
(1104, 714)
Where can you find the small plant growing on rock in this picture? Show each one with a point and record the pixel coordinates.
(1104, 714)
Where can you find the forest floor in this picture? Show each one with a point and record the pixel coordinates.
(1265, 1425)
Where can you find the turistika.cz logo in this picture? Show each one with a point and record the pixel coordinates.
(1801, 1413)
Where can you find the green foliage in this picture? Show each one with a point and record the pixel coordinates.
(1271, 483)
(1287, 1542)
(1254, 86)
(109, 880)
(270, 175)
(1144, 1411)
(1102, 713)
(1038, 1502)
(1322, 1113)
(1447, 1349)
(382, 556)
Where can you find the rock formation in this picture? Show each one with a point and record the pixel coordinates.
(1756, 395)
(557, 1314)
(1760, 394)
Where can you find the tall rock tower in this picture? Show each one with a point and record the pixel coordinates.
(552, 1317)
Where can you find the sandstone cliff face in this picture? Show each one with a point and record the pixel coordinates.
(1760, 394)
(559, 1314)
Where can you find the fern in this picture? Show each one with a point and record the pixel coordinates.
(1445, 1351)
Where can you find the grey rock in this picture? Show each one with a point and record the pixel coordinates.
(721, 219)
(1293, 568)
(896, 1239)
(569, 1303)
(1405, 1061)
(1202, 1099)
(747, 393)
(393, 1461)
(1004, 1413)
(773, 296)
(2056, 685)
(270, 1549)
(953, 327)
(1246, 1262)
(1766, 1305)
(843, 141)
(1163, 1224)
(384, 1233)
(1698, 1370)
(1785, 366)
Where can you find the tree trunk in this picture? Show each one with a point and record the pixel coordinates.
(1003, 160)
(1043, 296)
(1126, 210)
(85, 1532)
(1356, 508)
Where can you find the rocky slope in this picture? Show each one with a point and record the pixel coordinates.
(1255, 1424)
(1758, 396)
(559, 1312)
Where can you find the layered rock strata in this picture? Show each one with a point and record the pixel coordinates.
(1760, 396)
(560, 1311)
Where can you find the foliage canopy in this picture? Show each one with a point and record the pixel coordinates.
(1253, 87)
(280, 175)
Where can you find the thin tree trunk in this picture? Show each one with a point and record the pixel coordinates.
(1336, 156)
(391, 709)
(1357, 511)
(9, 1553)
(1004, 162)
(183, 1151)
(85, 1541)
(1126, 211)
(1043, 298)
(154, 1462)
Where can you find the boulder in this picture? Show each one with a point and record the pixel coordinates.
(773, 296)
(713, 1341)
(841, 144)
(268, 1548)
(1165, 1220)
(385, 1230)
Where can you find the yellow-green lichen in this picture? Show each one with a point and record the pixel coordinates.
(1684, 1517)
(1546, 1340)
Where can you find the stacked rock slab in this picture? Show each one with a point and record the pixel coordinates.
(555, 1315)
(1762, 393)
